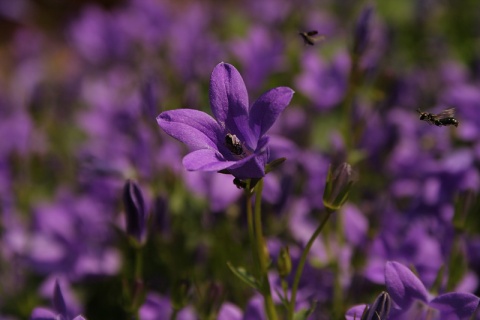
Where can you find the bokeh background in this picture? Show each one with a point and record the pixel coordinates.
(81, 83)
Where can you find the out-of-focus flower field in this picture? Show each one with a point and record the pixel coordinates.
(100, 218)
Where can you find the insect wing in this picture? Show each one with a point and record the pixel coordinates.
(306, 38)
(310, 37)
(448, 113)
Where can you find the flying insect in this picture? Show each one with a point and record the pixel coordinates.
(444, 118)
(311, 37)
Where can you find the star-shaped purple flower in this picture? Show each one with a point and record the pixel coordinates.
(59, 311)
(235, 140)
(405, 288)
(410, 298)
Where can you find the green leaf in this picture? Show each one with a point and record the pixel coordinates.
(457, 266)
(274, 164)
(243, 275)
(438, 280)
(305, 313)
(282, 298)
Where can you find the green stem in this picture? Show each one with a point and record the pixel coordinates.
(137, 282)
(262, 256)
(138, 263)
(251, 229)
(173, 316)
(301, 264)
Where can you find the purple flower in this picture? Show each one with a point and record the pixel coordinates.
(59, 311)
(260, 54)
(379, 310)
(160, 308)
(405, 288)
(411, 299)
(362, 30)
(235, 140)
(135, 211)
(253, 310)
(324, 82)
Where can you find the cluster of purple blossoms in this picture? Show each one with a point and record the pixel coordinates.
(99, 216)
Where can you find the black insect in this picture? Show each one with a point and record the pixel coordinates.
(444, 118)
(233, 144)
(311, 37)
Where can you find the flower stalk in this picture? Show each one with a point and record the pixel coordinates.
(303, 260)
(262, 257)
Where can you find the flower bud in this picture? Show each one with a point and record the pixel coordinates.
(362, 31)
(380, 308)
(284, 262)
(135, 211)
(58, 301)
(337, 187)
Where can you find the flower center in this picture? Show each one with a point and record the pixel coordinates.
(233, 144)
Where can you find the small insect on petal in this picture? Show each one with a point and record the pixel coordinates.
(233, 144)
(311, 37)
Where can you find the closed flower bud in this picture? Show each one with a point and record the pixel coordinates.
(284, 262)
(337, 187)
(135, 211)
(380, 308)
(362, 31)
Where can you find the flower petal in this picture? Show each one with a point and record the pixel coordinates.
(192, 127)
(264, 112)
(455, 303)
(252, 166)
(229, 311)
(355, 312)
(229, 99)
(206, 160)
(403, 285)
(58, 301)
(43, 314)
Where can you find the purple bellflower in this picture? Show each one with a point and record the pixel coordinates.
(405, 288)
(59, 311)
(411, 300)
(135, 211)
(234, 141)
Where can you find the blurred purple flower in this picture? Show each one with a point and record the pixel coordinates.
(254, 310)
(324, 82)
(362, 30)
(217, 188)
(260, 54)
(70, 237)
(355, 224)
(97, 36)
(59, 311)
(399, 240)
(151, 19)
(271, 12)
(157, 307)
(15, 10)
(235, 140)
(192, 48)
(135, 211)
(465, 97)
